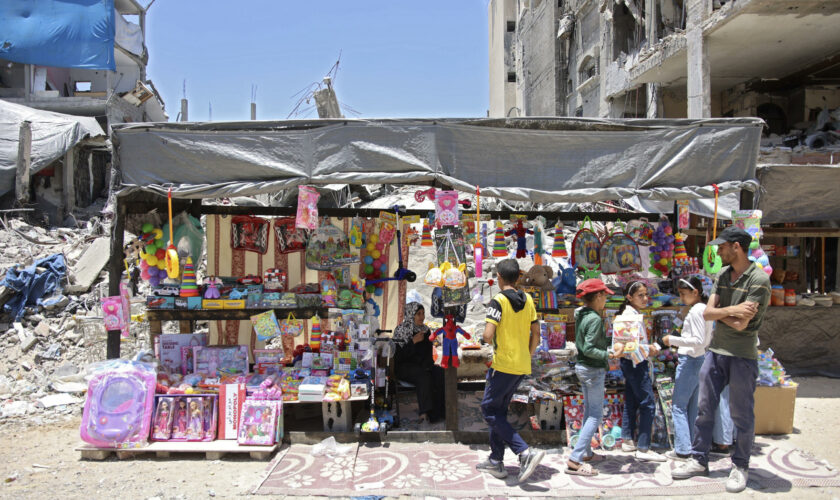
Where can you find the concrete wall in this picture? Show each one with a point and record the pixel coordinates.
(501, 42)
(539, 83)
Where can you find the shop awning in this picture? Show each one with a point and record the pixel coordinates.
(540, 160)
(798, 193)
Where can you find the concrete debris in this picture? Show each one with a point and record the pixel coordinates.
(58, 400)
(43, 329)
(53, 351)
(85, 272)
(27, 338)
(74, 387)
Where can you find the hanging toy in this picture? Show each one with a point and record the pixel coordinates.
(712, 262)
(520, 231)
(356, 238)
(538, 246)
(558, 250)
(426, 238)
(450, 333)
(499, 245)
(454, 277)
(478, 250)
(663, 248)
(586, 248)
(173, 268)
(642, 232)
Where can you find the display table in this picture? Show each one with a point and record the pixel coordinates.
(806, 340)
(213, 450)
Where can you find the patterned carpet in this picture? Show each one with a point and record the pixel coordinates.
(469, 413)
(394, 469)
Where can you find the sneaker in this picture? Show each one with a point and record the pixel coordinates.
(737, 481)
(678, 457)
(721, 449)
(690, 468)
(628, 445)
(495, 469)
(649, 456)
(528, 463)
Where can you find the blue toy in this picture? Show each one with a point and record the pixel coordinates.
(564, 283)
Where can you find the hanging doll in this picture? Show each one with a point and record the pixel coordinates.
(450, 341)
(520, 231)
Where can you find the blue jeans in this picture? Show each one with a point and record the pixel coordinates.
(724, 431)
(592, 385)
(494, 407)
(684, 402)
(638, 398)
(740, 373)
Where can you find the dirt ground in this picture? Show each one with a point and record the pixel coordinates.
(41, 462)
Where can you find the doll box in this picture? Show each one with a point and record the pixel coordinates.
(221, 359)
(170, 348)
(233, 304)
(212, 304)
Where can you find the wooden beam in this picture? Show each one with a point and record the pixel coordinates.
(68, 186)
(451, 395)
(115, 268)
(24, 163)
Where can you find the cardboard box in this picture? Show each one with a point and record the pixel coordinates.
(212, 304)
(774, 409)
(234, 303)
(170, 348)
(231, 397)
(153, 302)
(194, 302)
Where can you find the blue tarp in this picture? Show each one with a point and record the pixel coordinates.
(31, 285)
(58, 33)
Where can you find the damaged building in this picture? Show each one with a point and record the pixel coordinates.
(775, 59)
(73, 170)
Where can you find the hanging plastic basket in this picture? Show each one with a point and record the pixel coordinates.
(586, 247)
(619, 252)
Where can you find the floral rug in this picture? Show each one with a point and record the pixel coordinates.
(447, 470)
(469, 413)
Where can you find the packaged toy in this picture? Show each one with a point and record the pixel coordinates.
(328, 247)
(220, 360)
(287, 237)
(446, 208)
(641, 232)
(265, 325)
(118, 407)
(356, 235)
(116, 312)
(249, 233)
(662, 251)
(180, 419)
(211, 409)
(387, 229)
(586, 247)
(258, 422)
(619, 253)
(162, 420)
(307, 209)
(329, 291)
(275, 280)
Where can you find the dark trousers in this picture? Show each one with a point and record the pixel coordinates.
(429, 384)
(494, 407)
(740, 373)
(638, 398)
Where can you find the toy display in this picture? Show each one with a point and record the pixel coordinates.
(610, 431)
(162, 420)
(118, 407)
(642, 232)
(499, 245)
(265, 325)
(221, 360)
(586, 248)
(520, 232)
(558, 249)
(450, 333)
(426, 238)
(188, 285)
(171, 258)
(356, 236)
(450, 246)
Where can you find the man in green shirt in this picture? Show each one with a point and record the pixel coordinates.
(737, 303)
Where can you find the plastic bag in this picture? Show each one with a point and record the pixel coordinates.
(329, 448)
(188, 235)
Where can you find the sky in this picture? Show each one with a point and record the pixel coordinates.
(397, 58)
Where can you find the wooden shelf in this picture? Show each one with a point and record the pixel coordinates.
(240, 314)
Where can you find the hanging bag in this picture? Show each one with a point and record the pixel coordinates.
(291, 326)
(619, 252)
(287, 237)
(249, 233)
(586, 247)
(328, 248)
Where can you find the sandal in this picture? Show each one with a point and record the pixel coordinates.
(582, 470)
(594, 458)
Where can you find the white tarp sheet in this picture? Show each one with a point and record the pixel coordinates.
(540, 160)
(128, 35)
(798, 193)
(53, 134)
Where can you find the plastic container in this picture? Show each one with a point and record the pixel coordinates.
(777, 296)
(790, 297)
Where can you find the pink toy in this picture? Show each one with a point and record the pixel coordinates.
(195, 426)
(450, 341)
(307, 209)
(162, 429)
(212, 288)
(181, 419)
(258, 422)
(118, 408)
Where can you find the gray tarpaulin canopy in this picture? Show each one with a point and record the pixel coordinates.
(530, 159)
(798, 193)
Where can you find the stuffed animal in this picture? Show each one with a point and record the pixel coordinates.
(450, 341)
(520, 231)
(537, 276)
(564, 283)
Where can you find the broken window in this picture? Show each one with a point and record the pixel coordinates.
(511, 77)
(588, 69)
(511, 26)
(774, 117)
(82, 86)
(627, 33)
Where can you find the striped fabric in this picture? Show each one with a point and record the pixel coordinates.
(222, 260)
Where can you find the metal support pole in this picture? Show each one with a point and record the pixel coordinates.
(115, 267)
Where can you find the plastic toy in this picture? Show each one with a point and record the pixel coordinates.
(307, 209)
(662, 250)
(619, 252)
(586, 248)
(520, 231)
(356, 237)
(402, 273)
(712, 262)
(212, 287)
(564, 283)
(328, 247)
(118, 407)
(173, 267)
(162, 429)
(258, 422)
(450, 333)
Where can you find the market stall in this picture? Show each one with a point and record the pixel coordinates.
(354, 256)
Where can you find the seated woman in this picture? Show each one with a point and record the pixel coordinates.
(414, 363)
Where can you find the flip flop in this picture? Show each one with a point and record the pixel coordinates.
(582, 470)
(594, 458)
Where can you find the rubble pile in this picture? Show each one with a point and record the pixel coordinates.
(43, 353)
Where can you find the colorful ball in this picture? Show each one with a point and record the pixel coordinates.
(368, 269)
(151, 249)
(151, 260)
(370, 288)
(384, 268)
(380, 246)
(368, 259)
(378, 292)
(147, 227)
(376, 254)
(160, 254)
(161, 264)
(370, 247)
(374, 238)
(158, 232)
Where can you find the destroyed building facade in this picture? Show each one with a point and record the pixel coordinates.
(775, 59)
(120, 96)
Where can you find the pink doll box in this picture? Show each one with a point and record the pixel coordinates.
(162, 419)
(118, 408)
(221, 360)
(258, 423)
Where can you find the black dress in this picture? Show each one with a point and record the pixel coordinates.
(415, 365)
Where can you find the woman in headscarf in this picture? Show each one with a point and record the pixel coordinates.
(415, 364)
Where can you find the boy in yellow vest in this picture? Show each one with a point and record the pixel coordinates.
(512, 327)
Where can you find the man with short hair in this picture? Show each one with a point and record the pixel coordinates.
(512, 327)
(737, 303)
